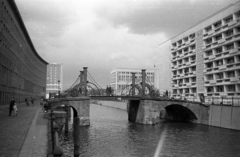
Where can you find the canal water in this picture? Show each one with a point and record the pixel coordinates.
(111, 135)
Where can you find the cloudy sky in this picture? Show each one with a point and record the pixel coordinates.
(107, 34)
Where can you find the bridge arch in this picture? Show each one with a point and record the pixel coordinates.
(176, 112)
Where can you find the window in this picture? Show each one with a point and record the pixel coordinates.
(229, 33)
(209, 89)
(209, 65)
(186, 70)
(231, 88)
(229, 19)
(193, 47)
(209, 53)
(193, 58)
(219, 62)
(220, 89)
(210, 77)
(217, 24)
(186, 80)
(208, 28)
(219, 76)
(230, 74)
(229, 47)
(208, 41)
(193, 79)
(192, 36)
(218, 37)
(193, 68)
(218, 50)
(230, 60)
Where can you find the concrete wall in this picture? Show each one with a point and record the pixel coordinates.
(225, 116)
(149, 112)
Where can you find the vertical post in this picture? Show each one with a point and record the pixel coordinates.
(133, 84)
(19, 95)
(143, 82)
(85, 80)
(58, 88)
(66, 124)
(76, 137)
(81, 81)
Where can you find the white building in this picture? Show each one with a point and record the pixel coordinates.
(121, 79)
(54, 78)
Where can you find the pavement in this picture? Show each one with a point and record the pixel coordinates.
(24, 135)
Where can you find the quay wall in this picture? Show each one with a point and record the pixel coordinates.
(225, 116)
(219, 115)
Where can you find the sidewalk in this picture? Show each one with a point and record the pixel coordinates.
(24, 135)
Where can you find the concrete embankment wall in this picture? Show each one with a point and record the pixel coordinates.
(115, 104)
(225, 116)
(219, 116)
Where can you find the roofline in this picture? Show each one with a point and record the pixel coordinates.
(21, 23)
(201, 21)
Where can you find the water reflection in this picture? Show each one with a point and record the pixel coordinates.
(111, 135)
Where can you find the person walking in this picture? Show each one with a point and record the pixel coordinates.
(41, 103)
(32, 101)
(12, 103)
(15, 109)
(26, 101)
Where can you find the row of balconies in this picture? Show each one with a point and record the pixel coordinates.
(225, 22)
(183, 42)
(223, 42)
(183, 75)
(183, 55)
(189, 47)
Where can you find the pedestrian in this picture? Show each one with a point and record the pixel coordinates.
(11, 106)
(45, 105)
(32, 101)
(15, 109)
(26, 101)
(41, 103)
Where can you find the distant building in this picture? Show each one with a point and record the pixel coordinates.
(22, 70)
(206, 58)
(121, 78)
(54, 79)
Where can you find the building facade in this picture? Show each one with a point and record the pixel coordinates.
(206, 58)
(22, 70)
(54, 79)
(121, 79)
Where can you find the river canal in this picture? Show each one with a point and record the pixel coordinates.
(111, 135)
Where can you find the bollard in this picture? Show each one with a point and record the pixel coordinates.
(76, 137)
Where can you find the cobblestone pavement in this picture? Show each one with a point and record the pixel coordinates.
(14, 129)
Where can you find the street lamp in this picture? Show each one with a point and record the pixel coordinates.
(58, 88)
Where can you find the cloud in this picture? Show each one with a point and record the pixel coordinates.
(107, 34)
(152, 16)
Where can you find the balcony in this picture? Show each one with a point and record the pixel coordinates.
(211, 57)
(222, 67)
(233, 51)
(221, 41)
(232, 23)
(234, 79)
(212, 81)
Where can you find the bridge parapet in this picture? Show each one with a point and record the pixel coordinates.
(80, 106)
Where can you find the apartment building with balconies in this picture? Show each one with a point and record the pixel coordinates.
(206, 57)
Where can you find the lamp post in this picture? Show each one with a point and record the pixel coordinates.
(58, 88)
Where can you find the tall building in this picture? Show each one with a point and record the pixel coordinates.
(206, 58)
(22, 70)
(120, 79)
(54, 79)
